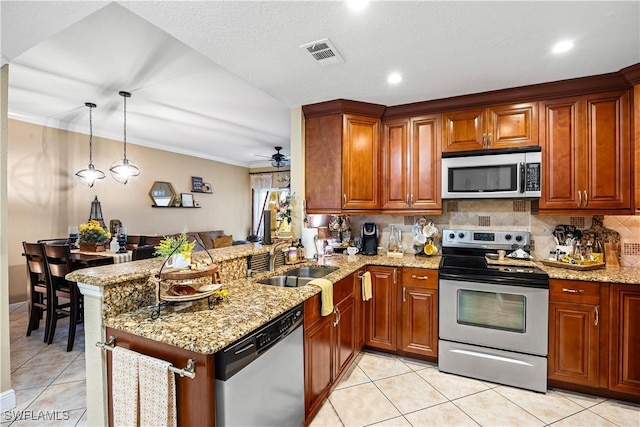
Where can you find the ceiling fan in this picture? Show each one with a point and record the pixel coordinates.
(278, 159)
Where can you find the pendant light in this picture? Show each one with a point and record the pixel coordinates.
(122, 170)
(89, 175)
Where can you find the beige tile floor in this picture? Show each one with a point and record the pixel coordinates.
(49, 381)
(385, 390)
(379, 390)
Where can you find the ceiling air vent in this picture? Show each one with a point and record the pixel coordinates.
(324, 52)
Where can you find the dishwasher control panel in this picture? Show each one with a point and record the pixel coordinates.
(279, 328)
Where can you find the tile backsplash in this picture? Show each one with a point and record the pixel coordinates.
(508, 214)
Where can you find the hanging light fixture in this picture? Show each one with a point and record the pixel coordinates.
(122, 170)
(89, 175)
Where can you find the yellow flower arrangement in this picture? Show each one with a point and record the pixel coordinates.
(92, 232)
(167, 245)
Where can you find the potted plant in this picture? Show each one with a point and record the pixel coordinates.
(178, 249)
(92, 237)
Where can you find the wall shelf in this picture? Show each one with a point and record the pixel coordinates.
(179, 207)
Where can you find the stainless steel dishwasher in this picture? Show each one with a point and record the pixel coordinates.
(260, 378)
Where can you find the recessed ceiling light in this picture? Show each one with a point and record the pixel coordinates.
(358, 4)
(394, 78)
(562, 46)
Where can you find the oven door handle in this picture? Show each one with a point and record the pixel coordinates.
(527, 283)
(522, 177)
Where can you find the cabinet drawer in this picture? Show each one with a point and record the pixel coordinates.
(574, 291)
(421, 277)
(343, 289)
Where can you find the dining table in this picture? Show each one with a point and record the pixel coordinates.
(86, 259)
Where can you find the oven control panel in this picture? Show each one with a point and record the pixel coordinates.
(484, 239)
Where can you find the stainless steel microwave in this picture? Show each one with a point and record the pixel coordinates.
(510, 174)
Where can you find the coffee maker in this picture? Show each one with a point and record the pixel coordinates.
(369, 239)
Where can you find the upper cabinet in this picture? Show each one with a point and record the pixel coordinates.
(342, 156)
(586, 154)
(410, 169)
(504, 126)
(360, 162)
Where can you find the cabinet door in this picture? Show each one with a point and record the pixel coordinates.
(560, 135)
(607, 151)
(464, 130)
(360, 162)
(395, 162)
(425, 191)
(512, 126)
(318, 360)
(345, 334)
(419, 327)
(323, 163)
(381, 309)
(573, 343)
(624, 375)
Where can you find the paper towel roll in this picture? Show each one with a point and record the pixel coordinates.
(308, 242)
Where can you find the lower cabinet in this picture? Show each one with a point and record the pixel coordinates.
(195, 397)
(624, 373)
(381, 309)
(329, 342)
(574, 332)
(594, 338)
(418, 329)
(402, 315)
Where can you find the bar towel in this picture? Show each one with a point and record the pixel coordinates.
(326, 295)
(367, 293)
(124, 387)
(157, 393)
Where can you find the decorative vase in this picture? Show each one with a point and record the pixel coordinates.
(179, 261)
(91, 247)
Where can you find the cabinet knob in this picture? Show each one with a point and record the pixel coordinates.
(413, 276)
(586, 198)
(579, 198)
(573, 291)
(597, 319)
(344, 197)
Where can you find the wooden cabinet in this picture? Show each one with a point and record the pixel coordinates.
(402, 315)
(504, 126)
(410, 169)
(586, 154)
(329, 342)
(574, 332)
(195, 397)
(624, 373)
(381, 309)
(323, 163)
(418, 322)
(342, 157)
(360, 162)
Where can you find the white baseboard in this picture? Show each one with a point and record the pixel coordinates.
(7, 400)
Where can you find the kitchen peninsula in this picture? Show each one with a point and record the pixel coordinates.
(118, 297)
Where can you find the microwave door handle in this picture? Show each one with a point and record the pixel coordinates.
(522, 176)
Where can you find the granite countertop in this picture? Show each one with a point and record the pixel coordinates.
(249, 305)
(113, 274)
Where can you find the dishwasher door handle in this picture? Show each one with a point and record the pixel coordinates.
(242, 350)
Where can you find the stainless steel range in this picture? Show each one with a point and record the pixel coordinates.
(493, 318)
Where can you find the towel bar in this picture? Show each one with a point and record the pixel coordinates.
(187, 371)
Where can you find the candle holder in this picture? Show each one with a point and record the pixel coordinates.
(122, 240)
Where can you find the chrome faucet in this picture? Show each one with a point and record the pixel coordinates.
(274, 252)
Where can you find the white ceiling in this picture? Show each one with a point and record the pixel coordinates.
(217, 79)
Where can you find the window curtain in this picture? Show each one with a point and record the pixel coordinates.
(260, 184)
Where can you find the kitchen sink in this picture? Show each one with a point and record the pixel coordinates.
(298, 276)
(286, 281)
(311, 271)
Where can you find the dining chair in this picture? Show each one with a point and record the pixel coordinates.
(134, 242)
(143, 252)
(37, 287)
(58, 260)
(152, 240)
